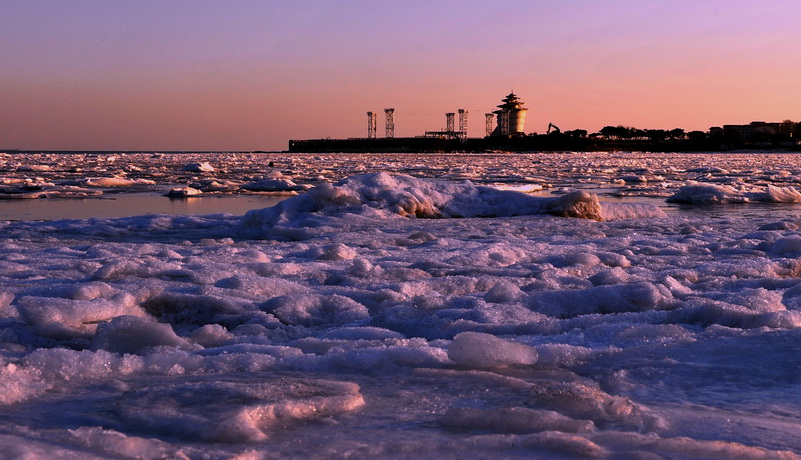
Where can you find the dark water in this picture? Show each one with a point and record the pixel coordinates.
(136, 204)
(131, 204)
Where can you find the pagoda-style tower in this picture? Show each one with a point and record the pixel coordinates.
(511, 117)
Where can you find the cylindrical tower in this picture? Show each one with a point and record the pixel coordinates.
(511, 117)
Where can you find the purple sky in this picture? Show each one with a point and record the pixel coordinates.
(247, 75)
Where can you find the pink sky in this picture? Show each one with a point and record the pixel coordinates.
(250, 75)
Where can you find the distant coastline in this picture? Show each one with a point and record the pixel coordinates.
(507, 133)
(534, 143)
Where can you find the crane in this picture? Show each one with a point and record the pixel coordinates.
(553, 127)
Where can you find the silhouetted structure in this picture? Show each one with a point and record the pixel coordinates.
(371, 125)
(511, 117)
(508, 135)
(390, 114)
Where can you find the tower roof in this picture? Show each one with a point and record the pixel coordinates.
(511, 102)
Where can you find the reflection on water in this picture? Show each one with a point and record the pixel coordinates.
(778, 211)
(125, 205)
(136, 204)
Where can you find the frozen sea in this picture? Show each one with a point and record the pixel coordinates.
(558, 305)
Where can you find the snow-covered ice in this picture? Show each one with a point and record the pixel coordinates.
(410, 312)
(696, 193)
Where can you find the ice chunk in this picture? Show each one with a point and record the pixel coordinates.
(211, 335)
(778, 320)
(336, 251)
(634, 179)
(179, 192)
(310, 309)
(562, 355)
(782, 194)
(480, 350)
(34, 168)
(697, 193)
(781, 225)
(614, 275)
(5, 299)
(583, 401)
(115, 181)
(44, 369)
(575, 204)
(384, 194)
(198, 167)
(614, 298)
(504, 292)
(133, 334)
(784, 246)
(706, 193)
(56, 317)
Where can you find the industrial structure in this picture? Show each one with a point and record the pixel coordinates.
(450, 131)
(463, 124)
(371, 125)
(511, 117)
(390, 124)
(507, 135)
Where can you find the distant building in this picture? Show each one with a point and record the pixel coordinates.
(511, 117)
(752, 131)
(760, 134)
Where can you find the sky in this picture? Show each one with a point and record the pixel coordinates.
(250, 75)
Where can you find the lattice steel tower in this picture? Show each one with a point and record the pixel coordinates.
(463, 124)
(371, 125)
(390, 113)
(449, 117)
(488, 124)
(503, 123)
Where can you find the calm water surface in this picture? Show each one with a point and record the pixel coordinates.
(136, 204)
(131, 204)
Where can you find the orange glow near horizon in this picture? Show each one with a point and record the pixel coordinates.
(252, 75)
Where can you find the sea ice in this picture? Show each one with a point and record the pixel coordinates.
(389, 315)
